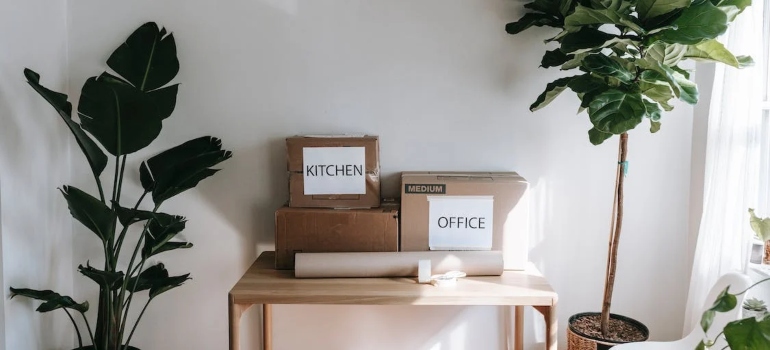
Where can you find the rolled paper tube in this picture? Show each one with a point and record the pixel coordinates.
(396, 264)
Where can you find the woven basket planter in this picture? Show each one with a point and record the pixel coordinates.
(578, 341)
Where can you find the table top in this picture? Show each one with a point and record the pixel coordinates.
(262, 284)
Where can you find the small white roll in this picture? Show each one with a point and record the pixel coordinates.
(396, 264)
(423, 271)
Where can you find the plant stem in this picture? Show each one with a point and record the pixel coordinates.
(614, 234)
(119, 243)
(88, 326)
(77, 331)
(120, 179)
(752, 286)
(136, 324)
(128, 301)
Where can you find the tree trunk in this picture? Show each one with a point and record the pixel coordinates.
(616, 224)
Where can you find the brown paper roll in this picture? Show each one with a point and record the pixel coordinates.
(396, 264)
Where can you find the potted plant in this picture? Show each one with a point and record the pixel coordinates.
(750, 333)
(124, 113)
(754, 307)
(628, 55)
(761, 228)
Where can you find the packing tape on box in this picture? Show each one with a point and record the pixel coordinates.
(396, 264)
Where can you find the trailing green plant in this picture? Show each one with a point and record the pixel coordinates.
(745, 334)
(125, 113)
(628, 58)
(754, 304)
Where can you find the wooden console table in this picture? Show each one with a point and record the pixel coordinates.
(264, 285)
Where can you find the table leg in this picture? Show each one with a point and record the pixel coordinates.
(267, 327)
(551, 325)
(235, 312)
(518, 330)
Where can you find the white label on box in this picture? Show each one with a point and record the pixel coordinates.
(460, 222)
(334, 170)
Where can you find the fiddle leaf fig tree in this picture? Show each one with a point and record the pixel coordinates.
(124, 113)
(627, 58)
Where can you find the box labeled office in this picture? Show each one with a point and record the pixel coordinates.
(319, 230)
(333, 171)
(466, 211)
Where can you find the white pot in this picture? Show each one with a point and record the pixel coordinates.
(756, 314)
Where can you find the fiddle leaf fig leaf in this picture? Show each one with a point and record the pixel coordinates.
(660, 93)
(147, 59)
(748, 333)
(760, 226)
(682, 87)
(532, 19)
(97, 160)
(587, 16)
(105, 279)
(91, 212)
(51, 300)
(597, 137)
(653, 8)
(550, 7)
(667, 54)
(654, 126)
(615, 111)
(555, 58)
(698, 22)
(732, 8)
(607, 67)
(653, 112)
(181, 168)
(574, 62)
(552, 90)
(585, 39)
(713, 50)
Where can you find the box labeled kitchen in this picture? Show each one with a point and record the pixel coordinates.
(333, 171)
(466, 211)
(322, 230)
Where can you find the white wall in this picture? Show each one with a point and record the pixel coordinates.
(445, 88)
(34, 160)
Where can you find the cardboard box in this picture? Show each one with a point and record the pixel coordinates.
(466, 211)
(333, 171)
(333, 230)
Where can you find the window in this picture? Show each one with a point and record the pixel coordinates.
(764, 176)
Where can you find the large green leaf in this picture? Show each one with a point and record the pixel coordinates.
(51, 300)
(545, 6)
(658, 92)
(733, 7)
(724, 301)
(96, 158)
(554, 58)
(91, 212)
(574, 62)
(552, 90)
(180, 168)
(653, 111)
(653, 8)
(699, 22)
(607, 67)
(584, 16)
(667, 54)
(712, 50)
(160, 231)
(666, 20)
(147, 59)
(615, 111)
(760, 226)
(597, 137)
(532, 19)
(120, 116)
(106, 279)
(588, 87)
(585, 38)
(156, 279)
(682, 87)
(748, 334)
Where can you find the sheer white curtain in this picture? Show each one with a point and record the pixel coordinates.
(732, 164)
